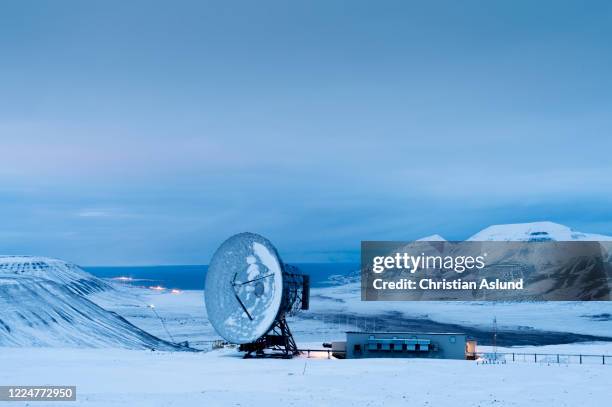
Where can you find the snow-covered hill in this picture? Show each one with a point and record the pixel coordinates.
(40, 312)
(43, 302)
(59, 271)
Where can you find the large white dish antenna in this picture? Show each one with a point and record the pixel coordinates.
(244, 288)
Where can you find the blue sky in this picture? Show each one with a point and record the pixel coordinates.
(148, 132)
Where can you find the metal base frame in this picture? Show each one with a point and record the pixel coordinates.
(279, 341)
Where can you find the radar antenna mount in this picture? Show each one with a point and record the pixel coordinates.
(249, 294)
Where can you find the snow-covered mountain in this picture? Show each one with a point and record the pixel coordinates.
(432, 238)
(43, 302)
(519, 232)
(535, 231)
(527, 232)
(342, 298)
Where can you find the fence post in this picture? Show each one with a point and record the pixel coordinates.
(513, 356)
(603, 359)
(535, 357)
(580, 359)
(557, 358)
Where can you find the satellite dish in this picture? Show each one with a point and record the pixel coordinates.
(249, 291)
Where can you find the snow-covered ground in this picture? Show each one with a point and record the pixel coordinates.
(33, 297)
(583, 348)
(342, 302)
(221, 378)
(588, 317)
(337, 309)
(174, 317)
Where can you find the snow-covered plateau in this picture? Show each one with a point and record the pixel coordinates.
(62, 326)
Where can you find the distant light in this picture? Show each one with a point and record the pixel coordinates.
(123, 278)
(175, 291)
(157, 288)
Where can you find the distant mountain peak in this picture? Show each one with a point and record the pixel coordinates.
(534, 231)
(432, 238)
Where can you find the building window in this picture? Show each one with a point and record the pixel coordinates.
(391, 346)
(379, 346)
(404, 346)
(357, 348)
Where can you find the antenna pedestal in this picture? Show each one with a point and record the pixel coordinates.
(278, 340)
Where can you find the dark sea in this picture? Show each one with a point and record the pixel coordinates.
(193, 277)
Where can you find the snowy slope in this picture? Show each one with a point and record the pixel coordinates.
(175, 317)
(43, 302)
(40, 312)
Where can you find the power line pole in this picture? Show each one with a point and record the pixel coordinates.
(495, 337)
